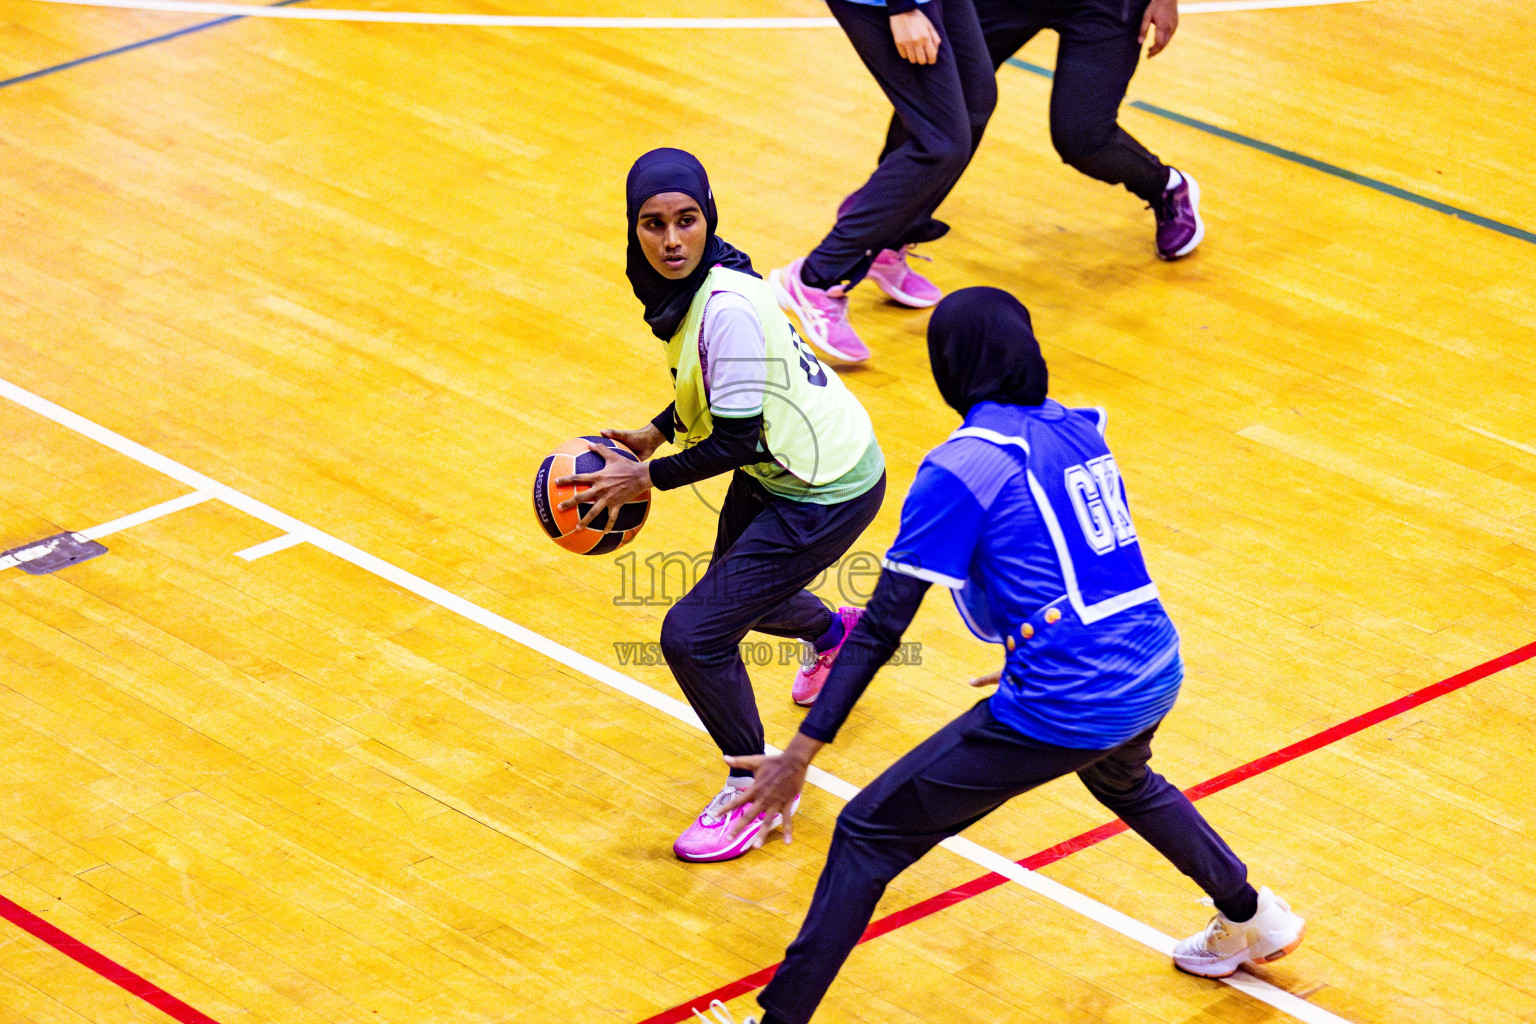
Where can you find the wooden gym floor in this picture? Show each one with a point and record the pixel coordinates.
(350, 281)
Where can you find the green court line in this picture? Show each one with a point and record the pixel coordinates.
(1312, 162)
(55, 69)
(1169, 115)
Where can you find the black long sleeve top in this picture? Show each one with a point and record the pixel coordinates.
(733, 442)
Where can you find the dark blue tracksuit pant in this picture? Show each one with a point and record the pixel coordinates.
(952, 780)
(767, 551)
(1095, 59)
(942, 107)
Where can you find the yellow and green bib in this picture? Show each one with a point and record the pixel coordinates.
(819, 437)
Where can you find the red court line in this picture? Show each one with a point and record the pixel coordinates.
(157, 997)
(113, 971)
(988, 882)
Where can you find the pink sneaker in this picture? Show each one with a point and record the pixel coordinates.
(898, 280)
(810, 679)
(708, 838)
(823, 316)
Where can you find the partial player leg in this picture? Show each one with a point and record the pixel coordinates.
(950, 781)
(833, 527)
(744, 501)
(935, 103)
(767, 552)
(1164, 817)
(1250, 926)
(765, 555)
(1098, 55)
(1006, 25)
(812, 537)
(978, 84)
(705, 664)
(978, 88)
(890, 270)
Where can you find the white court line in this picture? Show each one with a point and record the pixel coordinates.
(536, 21)
(270, 547)
(154, 512)
(427, 18)
(1490, 435)
(1054, 891)
(1227, 6)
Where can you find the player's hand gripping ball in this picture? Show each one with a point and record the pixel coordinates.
(607, 532)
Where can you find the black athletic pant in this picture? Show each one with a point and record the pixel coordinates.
(953, 779)
(943, 108)
(1095, 59)
(767, 550)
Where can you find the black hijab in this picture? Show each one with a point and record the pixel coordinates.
(982, 348)
(666, 301)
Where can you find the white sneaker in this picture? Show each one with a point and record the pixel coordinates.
(1224, 946)
(720, 1015)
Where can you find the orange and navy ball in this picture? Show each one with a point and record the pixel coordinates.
(600, 536)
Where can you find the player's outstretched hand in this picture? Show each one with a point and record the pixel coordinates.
(619, 481)
(916, 38)
(990, 679)
(1163, 15)
(642, 442)
(777, 781)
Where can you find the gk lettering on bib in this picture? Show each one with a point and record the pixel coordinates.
(1078, 491)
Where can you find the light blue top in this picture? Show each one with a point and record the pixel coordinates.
(1022, 514)
(877, 3)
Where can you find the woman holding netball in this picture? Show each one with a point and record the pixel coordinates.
(807, 474)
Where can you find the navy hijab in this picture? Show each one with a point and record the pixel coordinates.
(982, 348)
(666, 301)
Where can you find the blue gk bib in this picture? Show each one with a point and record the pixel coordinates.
(1077, 489)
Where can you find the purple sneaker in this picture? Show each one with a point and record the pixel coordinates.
(898, 280)
(1179, 227)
